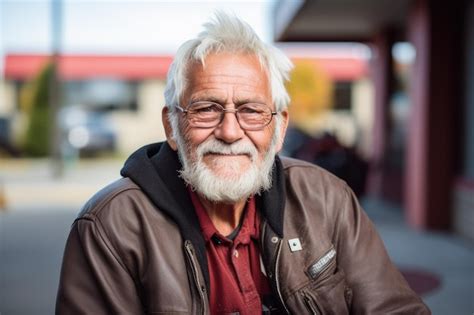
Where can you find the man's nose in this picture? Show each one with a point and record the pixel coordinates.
(229, 129)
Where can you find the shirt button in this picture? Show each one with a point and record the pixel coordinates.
(216, 240)
(274, 239)
(236, 254)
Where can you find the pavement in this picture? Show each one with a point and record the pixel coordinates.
(29, 184)
(38, 210)
(439, 266)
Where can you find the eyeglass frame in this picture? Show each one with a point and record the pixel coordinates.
(229, 110)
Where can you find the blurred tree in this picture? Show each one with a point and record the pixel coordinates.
(311, 90)
(35, 99)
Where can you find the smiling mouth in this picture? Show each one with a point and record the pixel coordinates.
(228, 154)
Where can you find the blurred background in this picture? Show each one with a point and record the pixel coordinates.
(382, 96)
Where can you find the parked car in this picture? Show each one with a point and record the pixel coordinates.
(86, 131)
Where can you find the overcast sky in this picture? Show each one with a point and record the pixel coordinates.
(135, 26)
(118, 26)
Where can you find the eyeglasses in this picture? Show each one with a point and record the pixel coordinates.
(251, 116)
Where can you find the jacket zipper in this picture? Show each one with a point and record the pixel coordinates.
(277, 259)
(194, 268)
(328, 264)
(275, 271)
(310, 304)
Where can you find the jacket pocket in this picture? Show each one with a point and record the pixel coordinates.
(326, 292)
(309, 303)
(330, 295)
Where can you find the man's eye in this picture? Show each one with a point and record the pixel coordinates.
(206, 108)
(249, 109)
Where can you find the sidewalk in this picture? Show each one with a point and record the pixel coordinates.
(439, 266)
(35, 224)
(28, 184)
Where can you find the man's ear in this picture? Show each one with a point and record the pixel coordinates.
(284, 125)
(168, 130)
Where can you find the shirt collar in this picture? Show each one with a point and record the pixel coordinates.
(250, 224)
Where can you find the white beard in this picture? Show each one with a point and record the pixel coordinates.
(228, 188)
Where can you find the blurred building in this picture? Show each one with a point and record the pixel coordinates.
(423, 128)
(126, 90)
(331, 92)
(124, 95)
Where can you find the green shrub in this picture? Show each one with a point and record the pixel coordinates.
(40, 121)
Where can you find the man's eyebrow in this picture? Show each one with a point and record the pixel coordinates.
(245, 100)
(208, 98)
(215, 99)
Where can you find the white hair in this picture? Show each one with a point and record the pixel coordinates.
(228, 34)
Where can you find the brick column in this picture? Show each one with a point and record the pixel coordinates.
(434, 29)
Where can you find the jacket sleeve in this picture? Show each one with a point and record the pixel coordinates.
(378, 287)
(93, 279)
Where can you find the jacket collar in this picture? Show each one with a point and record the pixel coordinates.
(155, 169)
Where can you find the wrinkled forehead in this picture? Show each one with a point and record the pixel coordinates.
(244, 70)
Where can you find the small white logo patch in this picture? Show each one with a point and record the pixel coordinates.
(295, 244)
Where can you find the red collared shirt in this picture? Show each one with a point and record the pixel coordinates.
(236, 280)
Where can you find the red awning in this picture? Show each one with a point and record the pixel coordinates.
(78, 67)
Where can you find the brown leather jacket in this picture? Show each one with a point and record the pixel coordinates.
(136, 247)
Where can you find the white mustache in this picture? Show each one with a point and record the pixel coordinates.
(213, 146)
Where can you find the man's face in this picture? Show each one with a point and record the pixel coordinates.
(230, 80)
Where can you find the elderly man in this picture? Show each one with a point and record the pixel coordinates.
(213, 222)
